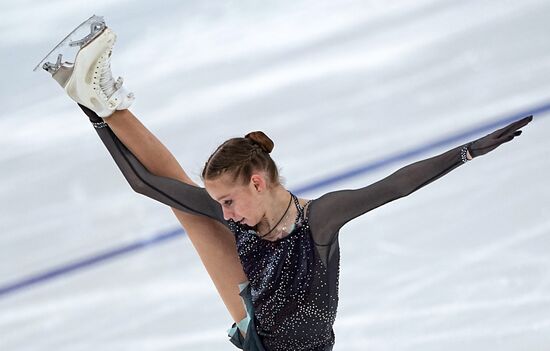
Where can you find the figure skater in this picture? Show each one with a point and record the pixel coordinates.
(261, 244)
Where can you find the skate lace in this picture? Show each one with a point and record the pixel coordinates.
(106, 81)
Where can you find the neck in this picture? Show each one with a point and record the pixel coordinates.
(278, 205)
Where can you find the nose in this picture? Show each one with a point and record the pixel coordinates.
(228, 214)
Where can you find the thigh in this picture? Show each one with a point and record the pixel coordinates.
(216, 247)
(251, 341)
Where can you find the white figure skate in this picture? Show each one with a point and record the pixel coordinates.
(88, 79)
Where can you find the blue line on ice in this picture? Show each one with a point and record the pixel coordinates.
(456, 138)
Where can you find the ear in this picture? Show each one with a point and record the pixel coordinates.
(258, 182)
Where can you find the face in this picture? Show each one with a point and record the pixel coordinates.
(241, 203)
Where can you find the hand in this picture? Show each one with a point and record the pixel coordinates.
(495, 139)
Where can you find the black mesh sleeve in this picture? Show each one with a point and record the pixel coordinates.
(331, 211)
(172, 192)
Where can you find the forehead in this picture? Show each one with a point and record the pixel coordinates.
(223, 186)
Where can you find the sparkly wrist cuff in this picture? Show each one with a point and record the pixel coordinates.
(464, 153)
(99, 125)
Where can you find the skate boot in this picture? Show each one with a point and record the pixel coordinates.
(88, 79)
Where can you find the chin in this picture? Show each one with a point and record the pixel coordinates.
(252, 225)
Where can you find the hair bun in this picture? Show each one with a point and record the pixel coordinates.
(262, 140)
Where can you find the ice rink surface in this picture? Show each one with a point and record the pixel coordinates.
(463, 264)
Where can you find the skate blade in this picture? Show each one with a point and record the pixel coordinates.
(64, 53)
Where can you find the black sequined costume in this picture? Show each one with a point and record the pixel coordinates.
(294, 292)
(294, 280)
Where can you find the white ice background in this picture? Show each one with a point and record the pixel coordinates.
(463, 264)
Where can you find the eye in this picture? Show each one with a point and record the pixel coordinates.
(227, 202)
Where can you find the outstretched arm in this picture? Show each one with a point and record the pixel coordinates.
(149, 167)
(331, 211)
(152, 170)
(146, 147)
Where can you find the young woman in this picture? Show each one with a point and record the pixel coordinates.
(249, 230)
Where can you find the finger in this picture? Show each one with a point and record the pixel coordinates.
(521, 123)
(514, 126)
(524, 121)
(508, 137)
